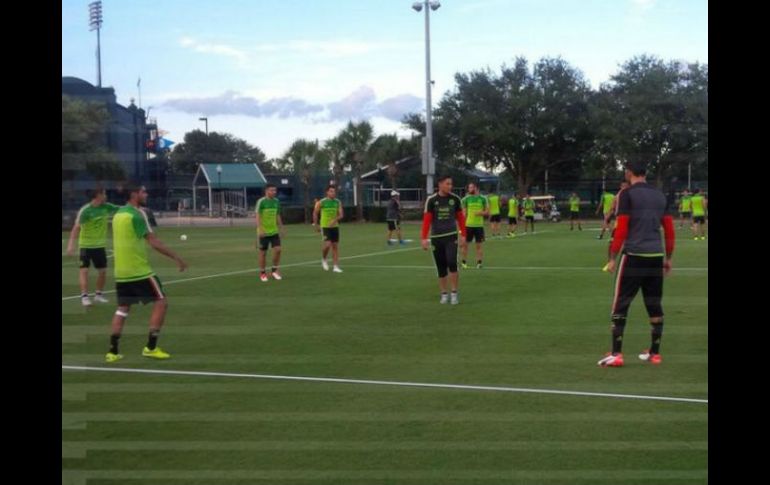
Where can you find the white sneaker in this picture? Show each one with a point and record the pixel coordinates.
(444, 298)
(277, 275)
(86, 301)
(101, 299)
(324, 265)
(337, 269)
(455, 298)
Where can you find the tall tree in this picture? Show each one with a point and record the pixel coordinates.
(357, 137)
(305, 159)
(199, 147)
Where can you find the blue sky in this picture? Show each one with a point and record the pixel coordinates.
(272, 71)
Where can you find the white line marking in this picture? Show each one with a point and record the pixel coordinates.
(384, 383)
(306, 263)
(524, 268)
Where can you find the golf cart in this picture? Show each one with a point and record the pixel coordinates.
(545, 208)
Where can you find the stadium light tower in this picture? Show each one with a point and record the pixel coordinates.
(205, 120)
(430, 169)
(95, 23)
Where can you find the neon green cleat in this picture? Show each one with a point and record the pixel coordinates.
(110, 357)
(464, 265)
(156, 353)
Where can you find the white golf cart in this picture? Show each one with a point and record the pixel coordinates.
(545, 208)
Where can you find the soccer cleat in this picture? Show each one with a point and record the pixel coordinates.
(696, 238)
(652, 358)
(337, 269)
(611, 360)
(101, 299)
(277, 275)
(464, 265)
(110, 357)
(478, 266)
(155, 353)
(86, 301)
(390, 243)
(454, 299)
(402, 242)
(263, 277)
(324, 265)
(444, 298)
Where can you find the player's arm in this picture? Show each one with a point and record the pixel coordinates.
(427, 220)
(74, 233)
(280, 224)
(316, 211)
(256, 219)
(340, 215)
(668, 229)
(621, 228)
(460, 218)
(157, 245)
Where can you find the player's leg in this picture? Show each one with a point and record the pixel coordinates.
(652, 292)
(439, 258)
(470, 235)
(262, 257)
(116, 330)
(85, 262)
(454, 277)
(157, 317)
(627, 283)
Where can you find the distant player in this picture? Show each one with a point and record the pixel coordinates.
(393, 217)
(605, 207)
(269, 229)
(476, 206)
(574, 211)
(90, 230)
(699, 209)
(513, 214)
(685, 208)
(330, 210)
(135, 280)
(529, 213)
(494, 213)
(442, 217)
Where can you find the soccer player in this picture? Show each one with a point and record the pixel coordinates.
(90, 230)
(393, 217)
(330, 210)
(476, 206)
(613, 216)
(269, 231)
(529, 213)
(605, 207)
(442, 217)
(699, 208)
(685, 207)
(574, 211)
(494, 213)
(135, 281)
(513, 214)
(642, 210)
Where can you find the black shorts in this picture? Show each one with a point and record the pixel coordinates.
(512, 220)
(266, 241)
(97, 255)
(494, 218)
(573, 216)
(142, 291)
(474, 232)
(699, 219)
(331, 234)
(635, 272)
(393, 225)
(686, 215)
(530, 219)
(445, 254)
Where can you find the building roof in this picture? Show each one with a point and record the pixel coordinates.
(233, 176)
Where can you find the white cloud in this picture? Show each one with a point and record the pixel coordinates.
(217, 49)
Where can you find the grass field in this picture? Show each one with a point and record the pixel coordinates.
(537, 316)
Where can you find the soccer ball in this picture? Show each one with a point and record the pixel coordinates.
(183, 237)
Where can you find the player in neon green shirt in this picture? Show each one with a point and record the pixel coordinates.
(513, 214)
(685, 207)
(528, 205)
(330, 210)
(494, 213)
(90, 230)
(476, 206)
(699, 209)
(574, 211)
(135, 280)
(605, 208)
(269, 230)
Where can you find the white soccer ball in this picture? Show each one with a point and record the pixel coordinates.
(183, 237)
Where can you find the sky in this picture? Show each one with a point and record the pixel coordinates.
(272, 71)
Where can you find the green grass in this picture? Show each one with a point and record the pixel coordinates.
(537, 316)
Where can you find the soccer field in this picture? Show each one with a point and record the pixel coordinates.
(535, 318)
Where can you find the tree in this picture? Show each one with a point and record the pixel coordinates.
(84, 134)
(335, 150)
(387, 149)
(199, 147)
(305, 159)
(356, 138)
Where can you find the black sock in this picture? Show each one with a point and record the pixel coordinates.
(114, 343)
(656, 334)
(274, 269)
(618, 327)
(98, 292)
(152, 340)
(84, 295)
(478, 262)
(464, 262)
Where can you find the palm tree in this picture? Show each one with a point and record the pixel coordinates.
(357, 138)
(304, 159)
(335, 150)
